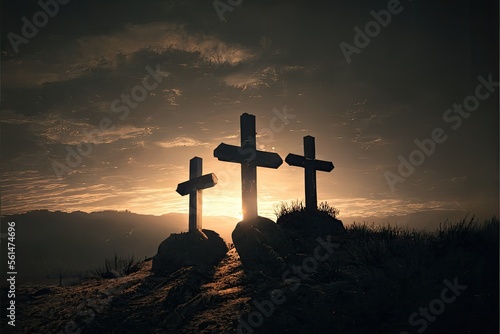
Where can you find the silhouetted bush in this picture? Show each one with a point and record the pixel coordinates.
(116, 267)
(284, 208)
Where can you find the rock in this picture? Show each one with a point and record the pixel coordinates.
(311, 224)
(302, 228)
(260, 244)
(202, 249)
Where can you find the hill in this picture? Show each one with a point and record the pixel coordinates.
(370, 280)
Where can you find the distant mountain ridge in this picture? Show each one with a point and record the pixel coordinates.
(48, 241)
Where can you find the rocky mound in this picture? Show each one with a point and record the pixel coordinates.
(201, 249)
(302, 228)
(261, 245)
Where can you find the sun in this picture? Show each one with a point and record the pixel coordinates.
(239, 215)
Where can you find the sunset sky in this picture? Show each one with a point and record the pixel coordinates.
(64, 90)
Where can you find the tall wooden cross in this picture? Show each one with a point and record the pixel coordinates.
(311, 165)
(250, 158)
(193, 187)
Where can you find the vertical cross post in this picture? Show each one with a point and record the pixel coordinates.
(194, 188)
(310, 172)
(250, 158)
(195, 196)
(248, 169)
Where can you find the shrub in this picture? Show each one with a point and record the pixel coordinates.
(284, 208)
(116, 267)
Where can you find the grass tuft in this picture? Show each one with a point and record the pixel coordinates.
(283, 208)
(116, 267)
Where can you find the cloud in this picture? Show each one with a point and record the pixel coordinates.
(234, 136)
(11, 117)
(180, 141)
(159, 37)
(369, 207)
(108, 51)
(263, 76)
(241, 80)
(56, 130)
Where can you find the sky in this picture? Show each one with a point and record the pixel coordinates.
(103, 103)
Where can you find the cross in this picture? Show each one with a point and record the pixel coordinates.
(250, 158)
(311, 165)
(193, 187)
